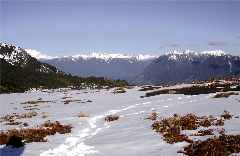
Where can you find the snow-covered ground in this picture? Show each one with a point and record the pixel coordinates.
(131, 135)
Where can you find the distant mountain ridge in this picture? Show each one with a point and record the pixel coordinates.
(19, 72)
(173, 67)
(188, 66)
(114, 66)
(169, 68)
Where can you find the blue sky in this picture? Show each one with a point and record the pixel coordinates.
(58, 27)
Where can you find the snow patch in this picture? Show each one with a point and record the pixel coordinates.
(214, 53)
(109, 56)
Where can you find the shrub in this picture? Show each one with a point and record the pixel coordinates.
(119, 90)
(111, 118)
(38, 134)
(152, 116)
(171, 127)
(226, 115)
(197, 89)
(223, 145)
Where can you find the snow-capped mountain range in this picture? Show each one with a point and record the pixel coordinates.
(102, 56)
(189, 66)
(116, 66)
(109, 56)
(188, 54)
(110, 65)
(172, 67)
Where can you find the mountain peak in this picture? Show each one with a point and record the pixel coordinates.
(109, 56)
(139, 57)
(189, 54)
(214, 52)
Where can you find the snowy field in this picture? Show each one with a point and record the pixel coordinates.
(131, 135)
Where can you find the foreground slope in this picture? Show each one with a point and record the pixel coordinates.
(131, 134)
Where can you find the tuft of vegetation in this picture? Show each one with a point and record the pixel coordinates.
(38, 134)
(171, 127)
(111, 118)
(225, 95)
(147, 88)
(152, 116)
(226, 115)
(3, 138)
(119, 90)
(224, 145)
(34, 102)
(66, 97)
(10, 119)
(68, 101)
(197, 89)
(83, 114)
(219, 122)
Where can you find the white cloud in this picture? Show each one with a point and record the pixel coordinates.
(37, 54)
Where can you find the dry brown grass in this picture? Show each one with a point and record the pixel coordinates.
(66, 97)
(33, 102)
(224, 145)
(171, 127)
(69, 101)
(13, 122)
(3, 138)
(33, 105)
(31, 109)
(226, 115)
(152, 116)
(196, 90)
(10, 119)
(219, 122)
(45, 115)
(83, 114)
(35, 134)
(57, 127)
